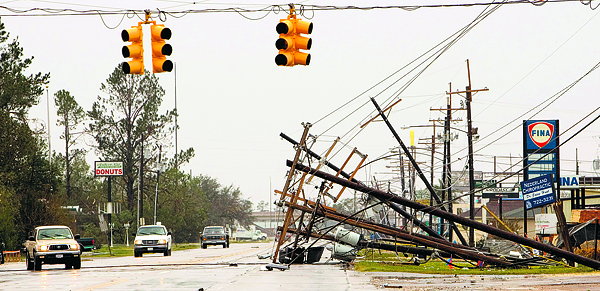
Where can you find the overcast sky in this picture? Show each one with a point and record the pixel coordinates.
(234, 101)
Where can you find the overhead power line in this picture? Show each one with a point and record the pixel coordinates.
(268, 9)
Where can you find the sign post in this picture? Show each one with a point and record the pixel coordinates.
(108, 169)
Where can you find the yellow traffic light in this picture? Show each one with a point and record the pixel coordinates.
(291, 41)
(160, 49)
(135, 50)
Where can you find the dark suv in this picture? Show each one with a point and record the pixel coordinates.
(214, 235)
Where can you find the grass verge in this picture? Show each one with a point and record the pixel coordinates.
(123, 250)
(388, 262)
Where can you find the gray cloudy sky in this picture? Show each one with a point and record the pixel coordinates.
(234, 101)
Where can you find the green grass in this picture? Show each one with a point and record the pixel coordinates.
(388, 262)
(439, 267)
(124, 251)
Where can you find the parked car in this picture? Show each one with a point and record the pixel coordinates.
(86, 244)
(214, 235)
(54, 244)
(152, 239)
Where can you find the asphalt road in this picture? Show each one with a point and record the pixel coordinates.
(239, 268)
(215, 268)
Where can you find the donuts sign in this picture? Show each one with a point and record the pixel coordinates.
(108, 168)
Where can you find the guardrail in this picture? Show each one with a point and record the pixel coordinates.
(12, 256)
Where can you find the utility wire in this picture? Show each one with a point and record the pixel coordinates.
(302, 9)
(540, 158)
(457, 36)
(272, 8)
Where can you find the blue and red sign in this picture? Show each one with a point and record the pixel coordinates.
(541, 134)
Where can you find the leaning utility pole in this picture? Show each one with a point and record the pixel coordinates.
(417, 168)
(294, 196)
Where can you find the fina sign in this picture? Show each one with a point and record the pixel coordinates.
(108, 168)
(538, 191)
(569, 182)
(540, 134)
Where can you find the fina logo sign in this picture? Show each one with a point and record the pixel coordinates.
(541, 133)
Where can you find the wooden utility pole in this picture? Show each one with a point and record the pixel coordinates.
(468, 93)
(447, 169)
(433, 143)
(294, 197)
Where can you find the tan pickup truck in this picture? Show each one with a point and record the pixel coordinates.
(52, 245)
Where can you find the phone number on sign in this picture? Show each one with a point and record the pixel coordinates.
(542, 200)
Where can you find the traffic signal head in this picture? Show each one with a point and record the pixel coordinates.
(291, 41)
(135, 50)
(160, 49)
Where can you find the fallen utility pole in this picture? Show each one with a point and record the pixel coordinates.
(418, 169)
(316, 156)
(289, 213)
(381, 246)
(453, 217)
(425, 241)
(415, 220)
(392, 231)
(400, 211)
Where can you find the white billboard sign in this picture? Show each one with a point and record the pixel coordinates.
(545, 223)
(108, 168)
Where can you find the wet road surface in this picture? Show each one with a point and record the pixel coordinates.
(238, 268)
(215, 268)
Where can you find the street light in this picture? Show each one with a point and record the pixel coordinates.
(161, 168)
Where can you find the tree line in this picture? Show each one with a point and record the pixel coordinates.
(126, 124)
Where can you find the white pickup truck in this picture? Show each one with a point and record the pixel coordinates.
(152, 239)
(245, 234)
(53, 244)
